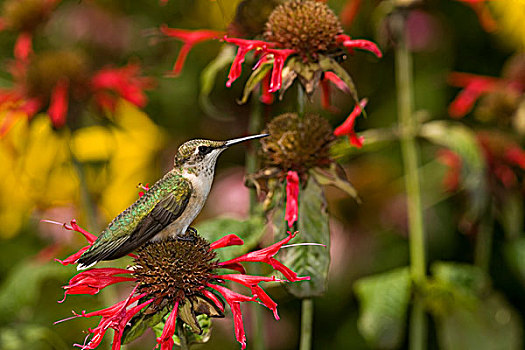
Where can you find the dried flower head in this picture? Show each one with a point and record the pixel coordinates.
(175, 281)
(189, 267)
(306, 26)
(297, 143)
(48, 68)
(25, 15)
(304, 41)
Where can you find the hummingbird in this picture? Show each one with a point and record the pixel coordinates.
(168, 208)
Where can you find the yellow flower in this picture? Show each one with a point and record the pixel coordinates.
(510, 15)
(37, 171)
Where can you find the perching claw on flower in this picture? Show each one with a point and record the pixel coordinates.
(176, 281)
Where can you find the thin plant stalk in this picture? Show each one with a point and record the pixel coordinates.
(307, 307)
(408, 127)
(89, 207)
(85, 197)
(254, 126)
(301, 100)
(307, 316)
(483, 248)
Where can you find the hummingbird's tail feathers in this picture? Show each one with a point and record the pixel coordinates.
(103, 250)
(81, 266)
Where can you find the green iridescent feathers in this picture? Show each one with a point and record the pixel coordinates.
(162, 204)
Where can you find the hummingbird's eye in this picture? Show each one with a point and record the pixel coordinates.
(204, 150)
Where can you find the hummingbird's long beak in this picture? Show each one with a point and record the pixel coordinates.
(242, 139)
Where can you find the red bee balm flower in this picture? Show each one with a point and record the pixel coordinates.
(347, 128)
(190, 38)
(321, 42)
(292, 194)
(473, 87)
(56, 78)
(110, 83)
(24, 17)
(180, 278)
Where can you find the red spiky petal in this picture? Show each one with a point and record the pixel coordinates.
(292, 194)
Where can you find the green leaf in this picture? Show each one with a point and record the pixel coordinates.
(249, 230)
(335, 176)
(313, 227)
(22, 286)
(30, 336)
(309, 73)
(141, 322)
(467, 278)
(209, 75)
(468, 314)
(329, 64)
(491, 325)
(515, 256)
(510, 214)
(384, 301)
(255, 78)
(205, 323)
(454, 284)
(462, 141)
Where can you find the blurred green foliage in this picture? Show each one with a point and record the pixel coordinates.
(471, 308)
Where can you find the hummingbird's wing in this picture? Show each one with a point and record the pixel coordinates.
(126, 238)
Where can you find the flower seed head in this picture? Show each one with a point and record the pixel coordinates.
(297, 143)
(48, 68)
(25, 15)
(174, 269)
(307, 26)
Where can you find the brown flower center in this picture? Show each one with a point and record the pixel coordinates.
(174, 269)
(307, 26)
(297, 143)
(48, 68)
(25, 15)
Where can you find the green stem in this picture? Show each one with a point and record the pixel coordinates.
(89, 207)
(408, 126)
(85, 197)
(483, 248)
(254, 126)
(307, 317)
(301, 100)
(181, 332)
(307, 308)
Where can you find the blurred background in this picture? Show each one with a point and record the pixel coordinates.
(89, 169)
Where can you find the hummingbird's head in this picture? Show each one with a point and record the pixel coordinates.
(201, 155)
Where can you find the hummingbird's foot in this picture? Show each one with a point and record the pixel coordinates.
(189, 235)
